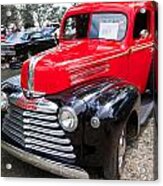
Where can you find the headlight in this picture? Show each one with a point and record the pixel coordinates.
(4, 101)
(68, 119)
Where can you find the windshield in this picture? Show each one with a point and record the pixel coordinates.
(17, 37)
(110, 26)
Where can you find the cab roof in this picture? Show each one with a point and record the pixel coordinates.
(106, 6)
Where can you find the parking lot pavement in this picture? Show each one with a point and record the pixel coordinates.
(141, 156)
(12, 167)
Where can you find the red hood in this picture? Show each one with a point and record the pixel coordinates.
(68, 64)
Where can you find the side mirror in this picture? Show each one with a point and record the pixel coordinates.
(144, 33)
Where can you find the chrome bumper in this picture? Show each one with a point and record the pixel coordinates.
(45, 164)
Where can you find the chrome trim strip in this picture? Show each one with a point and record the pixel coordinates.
(44, 130)
(40, 123)
(32, 141)
(50, 151)
(39, 116)
(46, 137)
(45, 164)
(34, 94)
(32, 64)
(31, 68)
(36, 105)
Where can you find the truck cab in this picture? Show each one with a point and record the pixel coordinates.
(119, 34)
(75, 106)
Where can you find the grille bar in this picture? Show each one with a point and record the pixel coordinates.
(50, 151)
(13, 133)
(41, 123)
(56, 140)
(41, 143)
(16, 128)
(40, 116)
(14, 137)
(43, 130)
(13, 120)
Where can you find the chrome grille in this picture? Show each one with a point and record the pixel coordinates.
(38, 131)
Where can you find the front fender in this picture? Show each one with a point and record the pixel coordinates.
(108, 99)
(111, 101)
(11, 85)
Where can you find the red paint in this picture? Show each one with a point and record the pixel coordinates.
(3, 38)
(77, 61)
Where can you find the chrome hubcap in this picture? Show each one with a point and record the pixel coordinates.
(121, 152)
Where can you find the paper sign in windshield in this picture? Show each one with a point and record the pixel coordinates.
(109, 30)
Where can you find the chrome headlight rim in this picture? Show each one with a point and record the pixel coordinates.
(73, 115)
(4, 101)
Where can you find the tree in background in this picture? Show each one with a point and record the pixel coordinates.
(9, 14)
(30, 14)
(26, 13)
(44, 12)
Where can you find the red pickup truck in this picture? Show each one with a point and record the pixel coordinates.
(75, 107)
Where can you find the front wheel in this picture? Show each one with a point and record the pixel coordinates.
(114, 165)
(121, 152)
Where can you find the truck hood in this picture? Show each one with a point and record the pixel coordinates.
(68, 64)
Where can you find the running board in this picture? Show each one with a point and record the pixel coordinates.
(147, 105)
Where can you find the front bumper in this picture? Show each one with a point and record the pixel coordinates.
(53, 167)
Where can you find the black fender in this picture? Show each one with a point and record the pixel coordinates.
(110, 100)
(11, 85)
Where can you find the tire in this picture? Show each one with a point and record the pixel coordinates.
(156, 109)
(151, 85)
(122, 144)
(113, 166)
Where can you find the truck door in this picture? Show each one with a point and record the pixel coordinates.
(141, 51)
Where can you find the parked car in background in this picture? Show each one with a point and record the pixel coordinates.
(21, 45)
(3, 33)
(52, 31)
(40, 41)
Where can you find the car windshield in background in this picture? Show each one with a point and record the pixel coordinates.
(110, 26)
(37, 35)
(48, 31)
(17, 37)
(76, 27)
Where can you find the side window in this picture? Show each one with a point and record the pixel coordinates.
(76, 27)
(142, 24)
(70, 28)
